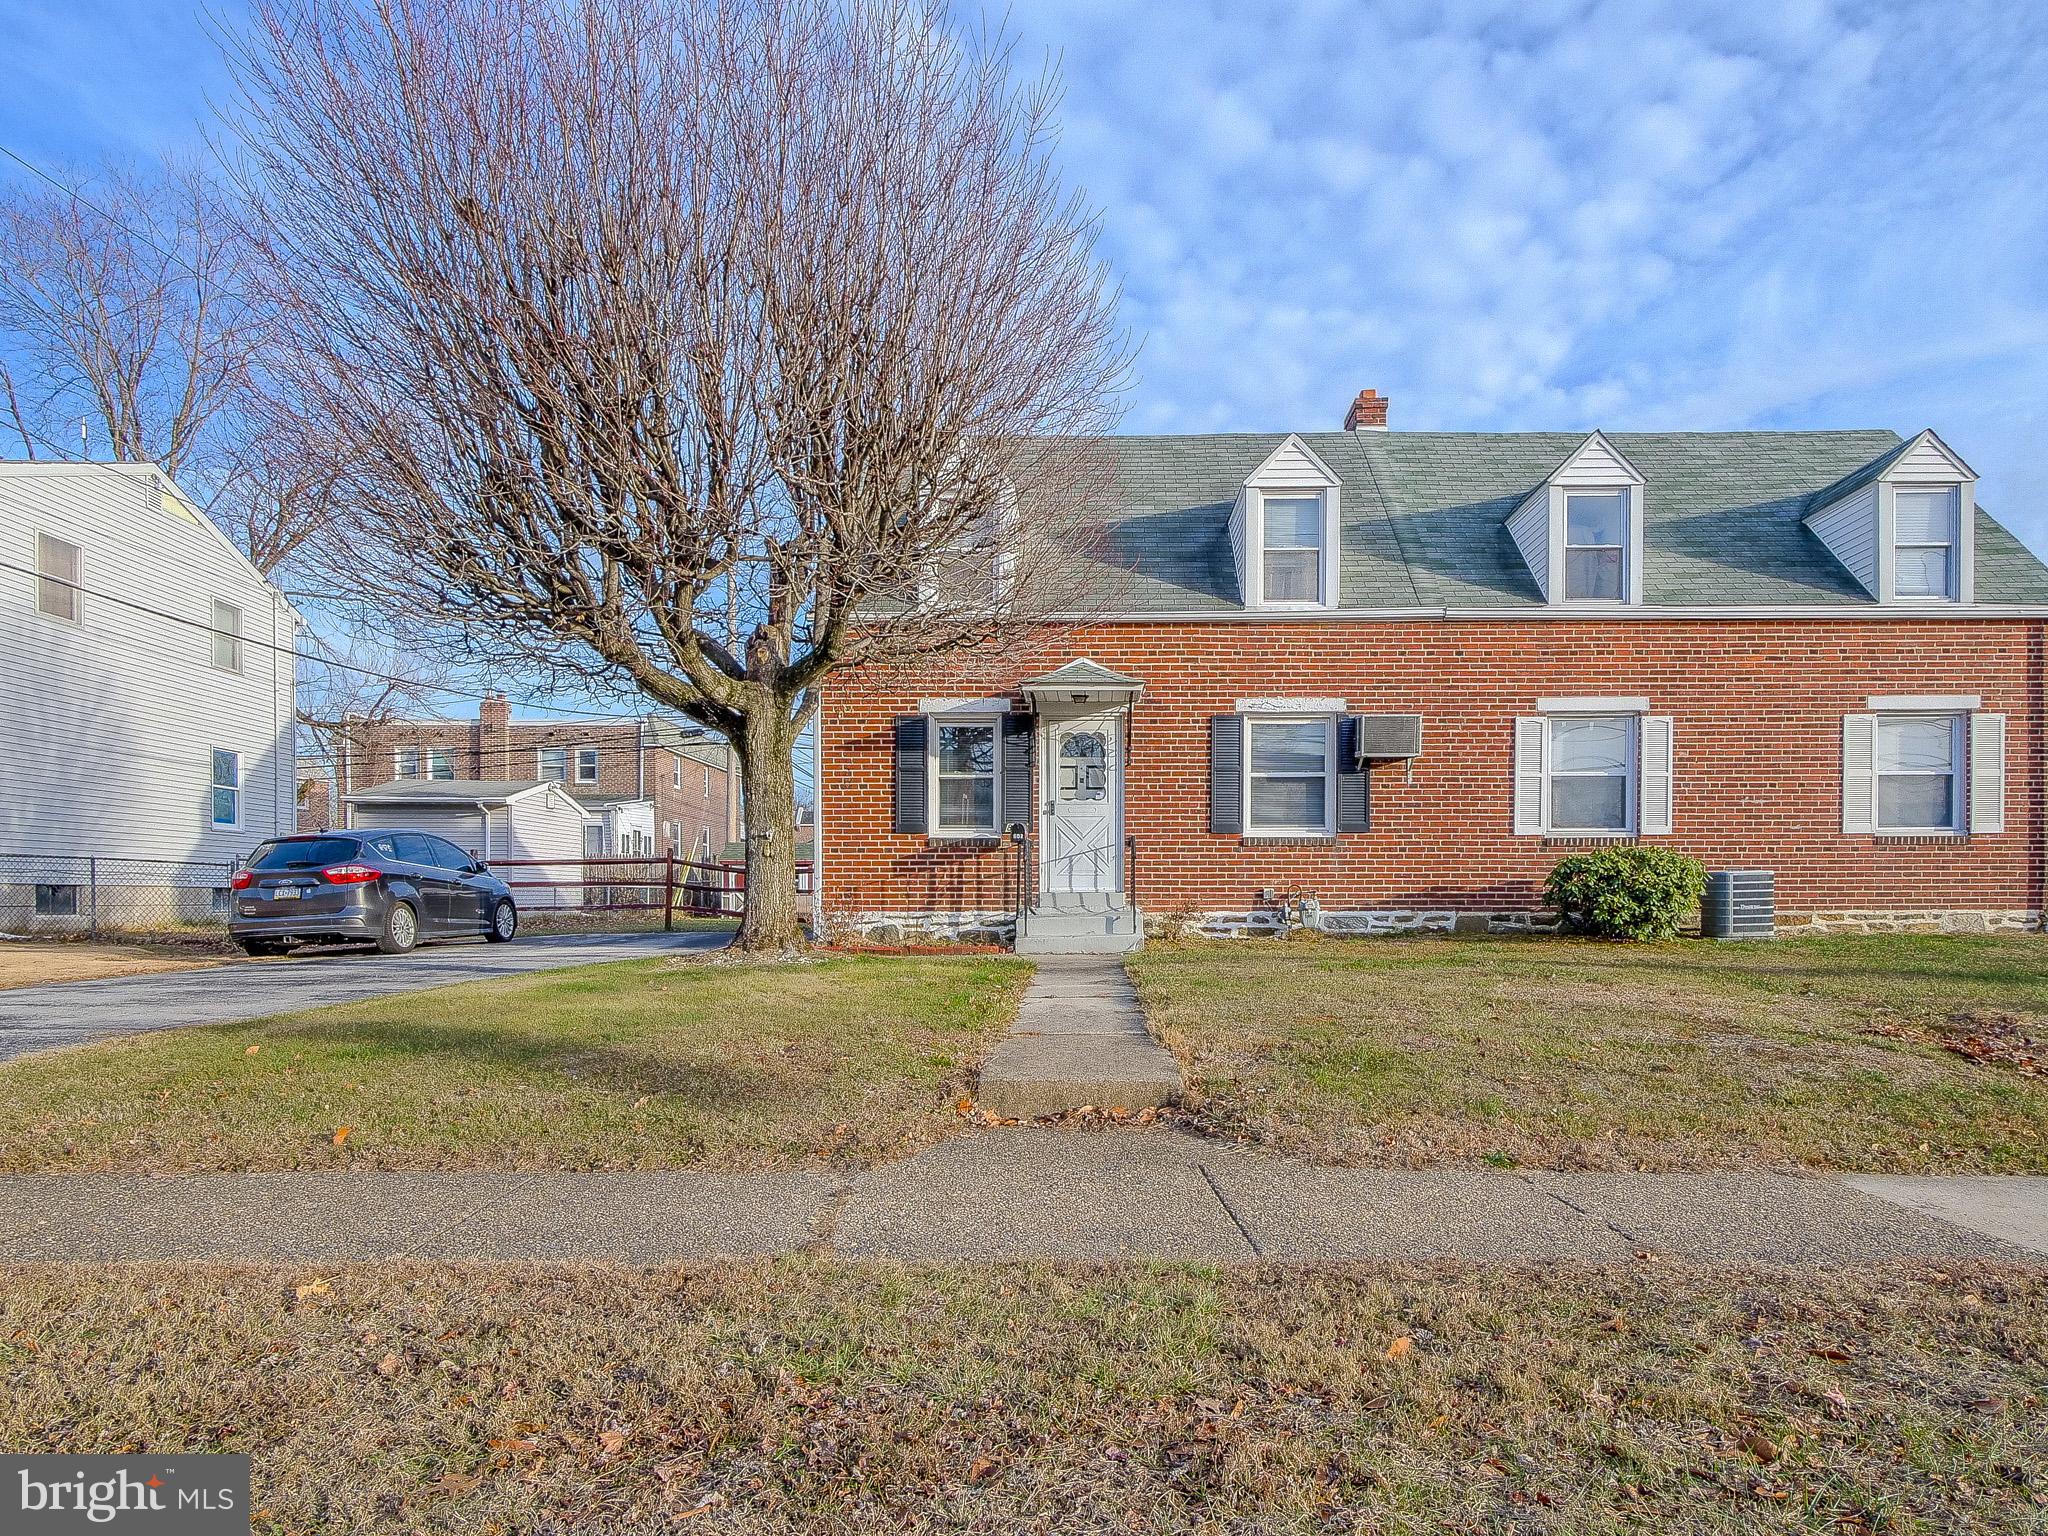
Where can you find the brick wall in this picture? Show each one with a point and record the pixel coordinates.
(1757, 705)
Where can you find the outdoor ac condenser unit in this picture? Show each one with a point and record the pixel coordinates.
(1384, 738)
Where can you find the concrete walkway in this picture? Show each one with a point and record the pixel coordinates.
(1025, 1193)
(1079, 1041)
(69, 1013)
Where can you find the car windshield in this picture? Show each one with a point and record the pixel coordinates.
(309, 853)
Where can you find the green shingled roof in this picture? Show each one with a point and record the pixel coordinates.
(1425, 516)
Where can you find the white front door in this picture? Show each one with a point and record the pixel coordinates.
(1082, 772)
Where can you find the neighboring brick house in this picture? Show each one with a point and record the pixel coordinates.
(689, 778)
(1399, 675)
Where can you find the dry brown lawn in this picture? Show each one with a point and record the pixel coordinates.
(1827, 1052)
(26, 962)
(798, 1396)
(639, 1064)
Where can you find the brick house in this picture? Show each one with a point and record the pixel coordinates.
(688, 779)
(1387, 679)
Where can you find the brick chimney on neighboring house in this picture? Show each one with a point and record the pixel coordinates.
(494, 738)
(1368, 412)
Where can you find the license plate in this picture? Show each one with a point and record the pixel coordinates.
(286, 892)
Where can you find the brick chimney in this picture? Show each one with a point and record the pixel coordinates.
(494, 738)
(1368, 412)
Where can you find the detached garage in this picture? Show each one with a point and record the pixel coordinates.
(509, 820)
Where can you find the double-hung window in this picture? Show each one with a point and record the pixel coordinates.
(586, 765)
(440, 763)
(227, 788)
(1924, 541)
(405, 763)
(1595, 545)
(227, 636)
(1591, 771)
(1290, 765)
(553, 764)
(1919, 777)
(966, 775)
(675, 772)
(1291, 530)
(58, 566)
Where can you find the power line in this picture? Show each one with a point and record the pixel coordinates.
(134, 234)
(258, 643)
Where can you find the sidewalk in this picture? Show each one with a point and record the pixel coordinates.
(1018, 1193)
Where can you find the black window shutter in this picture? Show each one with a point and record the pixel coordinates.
(1226, 773)
(911, 799)
(1354, 797)
(1016, 771)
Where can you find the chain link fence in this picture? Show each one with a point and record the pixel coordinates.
(56, 896)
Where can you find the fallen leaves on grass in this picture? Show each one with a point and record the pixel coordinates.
(1401, 1347)
(312, 1290)
(1990, 1039)
(341, 1134)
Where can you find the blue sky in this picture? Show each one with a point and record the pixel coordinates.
(1518, 215)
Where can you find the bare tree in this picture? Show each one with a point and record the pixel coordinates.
(119, 307)
(357, 680)
(699, 349)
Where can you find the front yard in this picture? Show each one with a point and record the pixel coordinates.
(1824, 1052)
(803, 1396)
(641, 1064)
(31, 962)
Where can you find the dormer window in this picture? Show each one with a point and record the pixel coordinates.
(1292, 561)
(1283, 531)
(1595, 545)
(1903, 525)
(1924, 541)
(1580, 530)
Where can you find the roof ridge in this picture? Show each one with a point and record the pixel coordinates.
(1384, 500)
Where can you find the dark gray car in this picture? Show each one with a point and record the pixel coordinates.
(390, 887)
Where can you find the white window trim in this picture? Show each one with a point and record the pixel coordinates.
(232, 635)
(1958, 774)
(212, 785)
(77, 618)
(1328, 827)
(576, 764)
(675, 778)
(1632, 543)
(1324, 597)
(1631, 774)
(1593, 704)
(1327, 567)
(1925, 703)
(931, 778)
(540, 764)
(1890, 545)
(1630, 496)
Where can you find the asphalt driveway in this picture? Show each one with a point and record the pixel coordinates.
(72, 1012)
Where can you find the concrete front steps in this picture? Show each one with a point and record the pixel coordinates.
(1079, 1040)
(1080, 923)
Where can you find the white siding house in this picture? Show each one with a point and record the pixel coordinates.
(146, 704)
(535, 828)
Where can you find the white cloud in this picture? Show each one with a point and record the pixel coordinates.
(1630, 214)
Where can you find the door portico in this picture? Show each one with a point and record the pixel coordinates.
(1083, 712)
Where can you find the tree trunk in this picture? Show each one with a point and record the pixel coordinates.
(773, 920)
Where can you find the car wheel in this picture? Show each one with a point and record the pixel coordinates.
(401, 929)
(504, 921)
